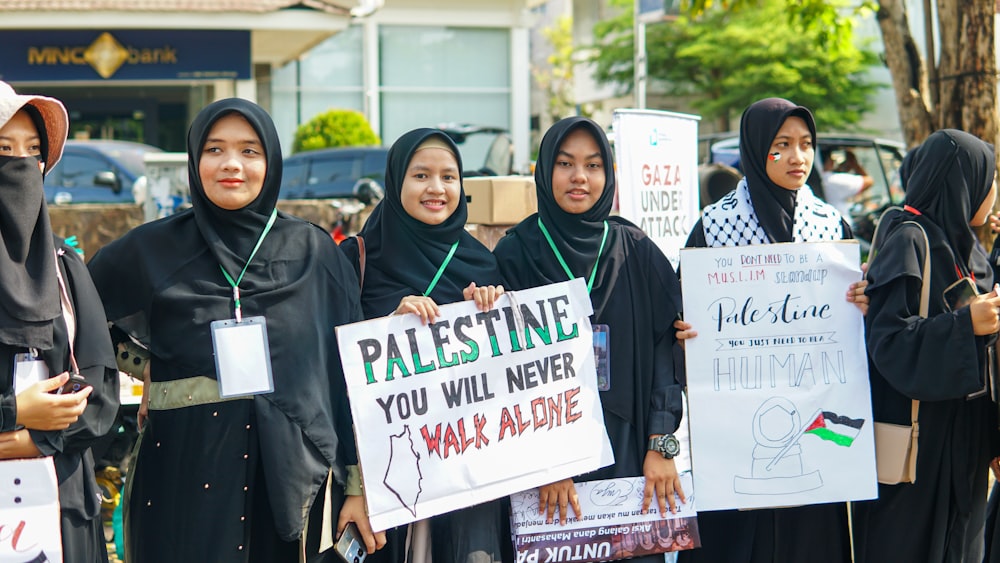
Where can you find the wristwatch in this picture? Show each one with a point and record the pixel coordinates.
(667, 445)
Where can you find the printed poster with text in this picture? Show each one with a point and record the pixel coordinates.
(777, 376)
(656, 157)
(612, 526)
(474, 406)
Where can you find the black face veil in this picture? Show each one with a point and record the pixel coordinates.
(29, 292)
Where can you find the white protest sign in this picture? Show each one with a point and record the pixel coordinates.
(777, 376)
(656, 156)
(29, 511)
(613, 526)
(476, 405)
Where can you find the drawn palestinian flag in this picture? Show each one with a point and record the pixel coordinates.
(838, 429)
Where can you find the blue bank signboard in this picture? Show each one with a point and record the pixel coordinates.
(121, 54)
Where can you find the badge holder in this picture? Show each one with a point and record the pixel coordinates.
(602, 356)
(242, 357)
(29, 369)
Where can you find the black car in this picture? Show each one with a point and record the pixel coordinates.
(98, 171)
(359, 172)
(332, 173)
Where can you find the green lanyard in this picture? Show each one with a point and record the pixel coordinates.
(593, 274)
(236, 284)
(440, 271)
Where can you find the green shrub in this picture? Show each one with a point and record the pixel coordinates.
(334, 128)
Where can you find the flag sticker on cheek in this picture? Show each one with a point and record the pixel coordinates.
(774, 156)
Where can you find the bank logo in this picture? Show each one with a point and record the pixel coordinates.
(106, 55)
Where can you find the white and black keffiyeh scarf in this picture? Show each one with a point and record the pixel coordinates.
(732, 222)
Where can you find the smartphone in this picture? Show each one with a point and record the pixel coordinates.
(75, 384)
(960, 294)
(350, 546)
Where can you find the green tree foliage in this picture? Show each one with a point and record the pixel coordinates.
(557, 78)
(334, 128)
(724, 60)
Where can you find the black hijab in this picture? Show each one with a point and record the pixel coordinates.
(947, 178)
(635, 293)
(231, 235)
(950, 177)
(403, 254)
(578, 237)
(774, 205)
(161, 283)
(29, 291)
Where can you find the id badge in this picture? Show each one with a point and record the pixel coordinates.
(29, 369)
(602, 356)
(242, 357)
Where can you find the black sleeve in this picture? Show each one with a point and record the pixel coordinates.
(846, 231)
(350, 301)
(697, 237)
(932, 359)
(94, 355)
(666, 402)
(8, 411)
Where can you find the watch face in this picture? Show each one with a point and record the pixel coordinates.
(671, 446)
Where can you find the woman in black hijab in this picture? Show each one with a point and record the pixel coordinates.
(50, 316)
(634, 292)
(771, 204)
(240, 478)
(413, 254)
(940, 360)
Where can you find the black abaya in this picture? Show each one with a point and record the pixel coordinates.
(402, 256)
(29, 246)
(937, 360)
(805, 533)
(635, 293)
(200, 469)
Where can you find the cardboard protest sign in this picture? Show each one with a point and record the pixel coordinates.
(476, 405)
(612, 527)
(656, 156)
(780, 408)
(29, 511)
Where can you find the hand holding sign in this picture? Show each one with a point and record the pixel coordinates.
(460, 396)
(662, 481)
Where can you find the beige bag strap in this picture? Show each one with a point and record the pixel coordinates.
(925, 295)
(925, 289)
(875, 237)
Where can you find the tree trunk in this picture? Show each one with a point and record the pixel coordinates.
(909, 78)
(971, 82)
(976, 71)
(948, 113)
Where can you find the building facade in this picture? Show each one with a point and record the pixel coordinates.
(140, 69)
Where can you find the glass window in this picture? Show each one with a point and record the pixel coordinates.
(336, 61)
(403, 111)
(329, 76)
(444, 57)
(79, 170)
(328, 170)
(293, 174)
(430, 76)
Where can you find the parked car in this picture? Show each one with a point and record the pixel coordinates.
(486, 151)
(333, 173)
(98, 171)
(359, 172)
(719, 172)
